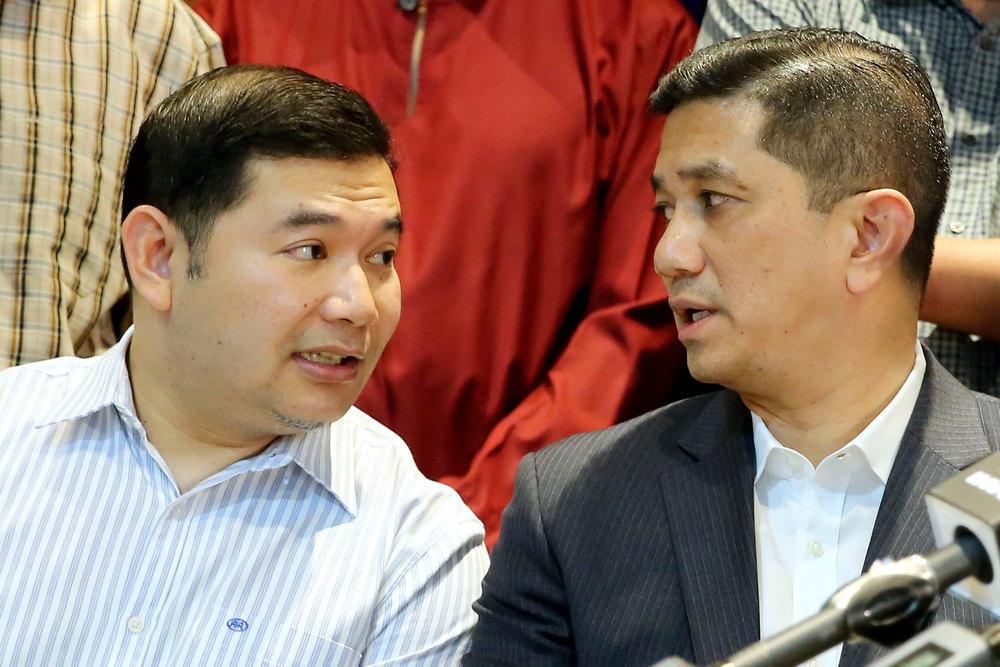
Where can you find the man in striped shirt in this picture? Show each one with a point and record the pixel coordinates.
(204, 493)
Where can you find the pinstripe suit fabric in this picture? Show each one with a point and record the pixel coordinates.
(631, 544)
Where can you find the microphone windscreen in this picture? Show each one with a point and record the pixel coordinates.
(969, 502)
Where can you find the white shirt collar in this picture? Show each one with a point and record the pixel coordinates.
(326, 453)
(878, 442)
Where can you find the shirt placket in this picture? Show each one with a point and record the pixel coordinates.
(817, 537)
(144, 621)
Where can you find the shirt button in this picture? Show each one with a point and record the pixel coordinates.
(956, 227)
(987, 43)
(135, 625)
(815, 548)
(180, 512)
(813, 662)
(969, 140)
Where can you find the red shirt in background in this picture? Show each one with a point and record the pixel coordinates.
(530, 307)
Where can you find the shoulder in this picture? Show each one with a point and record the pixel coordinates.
(369, 432)
(32, 388)
(416, 526)
(653, 435)
(388, 481)
(587, 474)
(956, 423)
(171, 41)
(43, 394)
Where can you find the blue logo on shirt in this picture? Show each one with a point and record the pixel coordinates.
(237, 625)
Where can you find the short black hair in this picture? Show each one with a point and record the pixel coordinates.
(191, 156)
(848, 113)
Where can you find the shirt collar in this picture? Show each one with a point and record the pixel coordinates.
(326, 454)
(95, 384)
(878, 442)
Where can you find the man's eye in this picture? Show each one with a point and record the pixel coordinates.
(663, 213)
(713, 199)
(312, 251)
(384, 257)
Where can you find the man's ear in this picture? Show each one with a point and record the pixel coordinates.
(150, 240)
(883, 222)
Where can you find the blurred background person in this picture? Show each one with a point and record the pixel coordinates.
(76, 79)
(531, 308)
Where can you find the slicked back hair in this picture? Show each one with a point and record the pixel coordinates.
(191, 158)
(848, 113)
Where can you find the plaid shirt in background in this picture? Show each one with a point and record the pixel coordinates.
(76, 79)
(962, 57)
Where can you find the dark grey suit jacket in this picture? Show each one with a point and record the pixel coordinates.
(631, 544)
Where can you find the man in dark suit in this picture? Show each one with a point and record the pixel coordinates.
(801, 177)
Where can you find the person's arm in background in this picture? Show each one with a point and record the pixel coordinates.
(623, 358)
(218, 14)
(173, 56)
(963, 291)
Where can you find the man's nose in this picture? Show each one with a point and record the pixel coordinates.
(678, 252)
(350, 297)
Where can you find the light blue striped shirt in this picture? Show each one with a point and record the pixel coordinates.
(329, 548)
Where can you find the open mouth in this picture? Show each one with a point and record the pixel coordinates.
(330, 359)
(693, 316)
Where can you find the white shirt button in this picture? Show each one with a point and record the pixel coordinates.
(956, 227)
(180, 511)
(815, 548)
(135, 625)
(795, 467)
(813, 662)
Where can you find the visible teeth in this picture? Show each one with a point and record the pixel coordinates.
(699, 315)
(324, 357)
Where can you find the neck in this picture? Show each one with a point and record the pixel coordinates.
(823, 417)
(192, 447)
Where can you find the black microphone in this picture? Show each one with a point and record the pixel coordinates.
(895, 600)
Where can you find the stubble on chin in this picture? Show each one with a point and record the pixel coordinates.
(299, 425)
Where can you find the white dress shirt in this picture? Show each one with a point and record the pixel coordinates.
(813, 525)
(328, 548)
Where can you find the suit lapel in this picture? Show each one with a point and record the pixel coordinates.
(709, 507)
(944, 435)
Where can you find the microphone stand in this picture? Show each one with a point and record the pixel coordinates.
(887, 605)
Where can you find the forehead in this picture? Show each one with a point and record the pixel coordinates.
(712, 136)
(282, 182)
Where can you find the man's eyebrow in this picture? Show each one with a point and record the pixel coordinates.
(394, 225)
(307, 218)
(711, 171)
